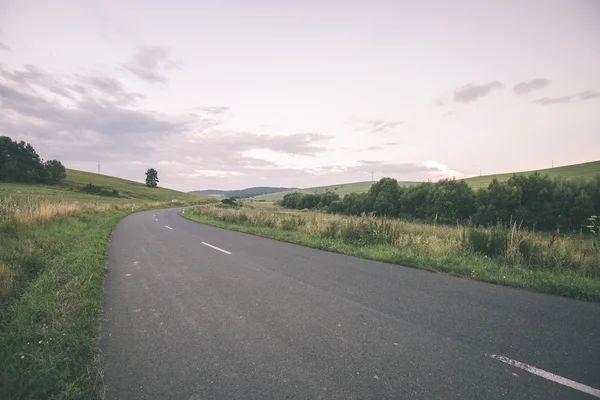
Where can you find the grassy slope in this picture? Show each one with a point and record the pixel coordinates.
(584, 170)
(48, 337)
(342, 189)
(70, 190)
(49, 323)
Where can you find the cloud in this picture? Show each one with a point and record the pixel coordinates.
(367, 162)
(149, 63)
(583, 96)
(4, 47)
(529, 86)
(76, 117)
(380, 125)
(472, 92)
(213, 110)
(588, 95)
(372, 148)
(303, 144)
(437, 170)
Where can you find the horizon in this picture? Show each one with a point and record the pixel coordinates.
(222, 95)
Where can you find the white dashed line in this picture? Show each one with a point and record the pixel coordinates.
(547, 375)
(216, 248)
(168, 227)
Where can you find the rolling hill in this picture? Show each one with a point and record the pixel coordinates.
(249, 192)
(341, 189)
(72, 189)
(584, 170)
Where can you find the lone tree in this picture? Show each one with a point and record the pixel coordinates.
(152, 178)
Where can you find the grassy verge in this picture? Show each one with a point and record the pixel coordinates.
(52, 267)
(48, 334)
(566, 266)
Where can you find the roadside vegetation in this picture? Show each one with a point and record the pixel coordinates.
(53, 249)
(565, 265)
(534, 201)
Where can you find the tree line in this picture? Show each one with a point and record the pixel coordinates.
(19, 162)
(537, 201)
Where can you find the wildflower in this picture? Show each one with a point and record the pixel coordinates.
(27, 342)
(40, 341)
(22, 356)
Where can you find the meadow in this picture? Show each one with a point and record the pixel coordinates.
(565, 265)
(53, 250)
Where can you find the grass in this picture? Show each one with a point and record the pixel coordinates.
(562, 265)
(586, 170)
(48, 333)
(53, 248)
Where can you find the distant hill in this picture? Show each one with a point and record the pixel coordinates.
(585, 170)
(342, 189)
(249, 192)
(111, 190)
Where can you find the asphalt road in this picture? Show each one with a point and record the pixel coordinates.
(255, 318)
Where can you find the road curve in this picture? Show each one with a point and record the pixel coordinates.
(197, 312)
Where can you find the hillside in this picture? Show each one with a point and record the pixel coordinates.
(585, 170)
(249, 192)
(341, 189)
(72, 189)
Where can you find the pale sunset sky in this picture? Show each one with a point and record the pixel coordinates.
(233, 94)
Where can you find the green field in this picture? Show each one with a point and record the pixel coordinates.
(586, 170)
(341, 189)
(70, 189)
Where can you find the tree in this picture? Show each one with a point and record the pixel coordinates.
(384, 197)
(152, 178)
(54, 171)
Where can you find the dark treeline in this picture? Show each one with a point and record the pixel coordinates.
(19, 162)
(535, 200)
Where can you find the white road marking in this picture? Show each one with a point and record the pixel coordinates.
(168, 227)
(216, 248)
(547, 375)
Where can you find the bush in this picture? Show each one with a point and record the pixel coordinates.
(90, 188)
(490, 242)
(231, 202)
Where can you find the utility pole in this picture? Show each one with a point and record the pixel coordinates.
(98, 166)
(371, 176)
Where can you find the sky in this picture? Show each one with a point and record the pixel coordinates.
(233, 94)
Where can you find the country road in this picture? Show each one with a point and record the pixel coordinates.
(196, 312)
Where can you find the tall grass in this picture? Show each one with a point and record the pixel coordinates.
(19, 257)
(507, 254)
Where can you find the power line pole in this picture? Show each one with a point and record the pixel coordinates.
(371, 176)
(98, 166)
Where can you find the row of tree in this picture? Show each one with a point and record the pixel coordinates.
(535, 200)
(19, 162)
